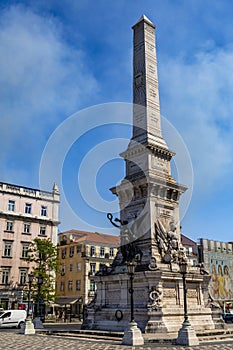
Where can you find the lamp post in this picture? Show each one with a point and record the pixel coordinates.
(186, 335)
(183, 271)
(131, 271)
(40, 280)
(29, 326)
(132, 335)
(37, 320)
(30, 280)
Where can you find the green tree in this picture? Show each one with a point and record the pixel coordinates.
(43, 257)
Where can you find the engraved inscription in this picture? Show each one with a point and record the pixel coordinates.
(151, 69)
(191, 293)
(169, 293)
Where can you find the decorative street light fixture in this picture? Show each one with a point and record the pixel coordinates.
(132, 334)
(131, 270)
(37, 320)
(40, 280)
(29, 326)
(183, 271)
(186, 335)
(30, 280)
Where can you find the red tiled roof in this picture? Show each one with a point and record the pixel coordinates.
(95, 237)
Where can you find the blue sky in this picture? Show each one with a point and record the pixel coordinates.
(60, 57)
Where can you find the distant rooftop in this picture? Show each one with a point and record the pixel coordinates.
(34, 192)
(95, 237)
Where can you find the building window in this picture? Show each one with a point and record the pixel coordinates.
(78, 266)
(92, 268)
(79, 248)
(70, 286)
(5, 276)
(102, 252)
(71, 251)
(92, 250)
(78, 284)
(25, 250)
(28, 208)
(111, 252)
(71, 267)
(8, 249)
(11, 205)
(92, 285)
(26, 228)
(63, 253)
(62, 286)
(23, 276)
(43, 210)
(9, 226)
(63, 269)
(42, 230)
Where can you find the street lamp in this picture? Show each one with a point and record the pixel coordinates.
(186, 335)
(131, 270)
(132, 334)
(29, 326)
(30, 280)
(183, 271)
(40, 280)
(37, 320)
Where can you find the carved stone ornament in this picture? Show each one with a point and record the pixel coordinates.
(155, 298)
(152, 265)
(169, 293)
(212, 303)
(191, 293)
(170, 249)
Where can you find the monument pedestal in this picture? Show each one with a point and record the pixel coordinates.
(158, 302)
(132, 335)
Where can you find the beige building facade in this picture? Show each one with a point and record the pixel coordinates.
(82, 254)
(25, 213)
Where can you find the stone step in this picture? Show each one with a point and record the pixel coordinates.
(203, 336)
(83, 332)
(87, 336)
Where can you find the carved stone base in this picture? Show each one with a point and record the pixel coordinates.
(156, 326)
(28, 327)
(132, 335)
(38, 323)
(187, 335)
(158, 302)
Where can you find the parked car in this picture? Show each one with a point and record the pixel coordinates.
(13, 318)
(227, 316)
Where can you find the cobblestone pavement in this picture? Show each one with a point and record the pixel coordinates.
(16, 341)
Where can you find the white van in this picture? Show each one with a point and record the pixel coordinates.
(12, 318)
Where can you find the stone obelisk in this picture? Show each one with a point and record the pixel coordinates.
(149, 222)
(149, 192)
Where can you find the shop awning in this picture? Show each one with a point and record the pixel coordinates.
(68, 300)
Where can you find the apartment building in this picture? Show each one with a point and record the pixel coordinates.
(82, 254)
(191, 249)
(25, 213)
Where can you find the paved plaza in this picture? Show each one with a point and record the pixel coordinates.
(48, 342)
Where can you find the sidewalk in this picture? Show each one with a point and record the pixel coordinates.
(49, 342)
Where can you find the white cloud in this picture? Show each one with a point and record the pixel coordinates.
(42, 80)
